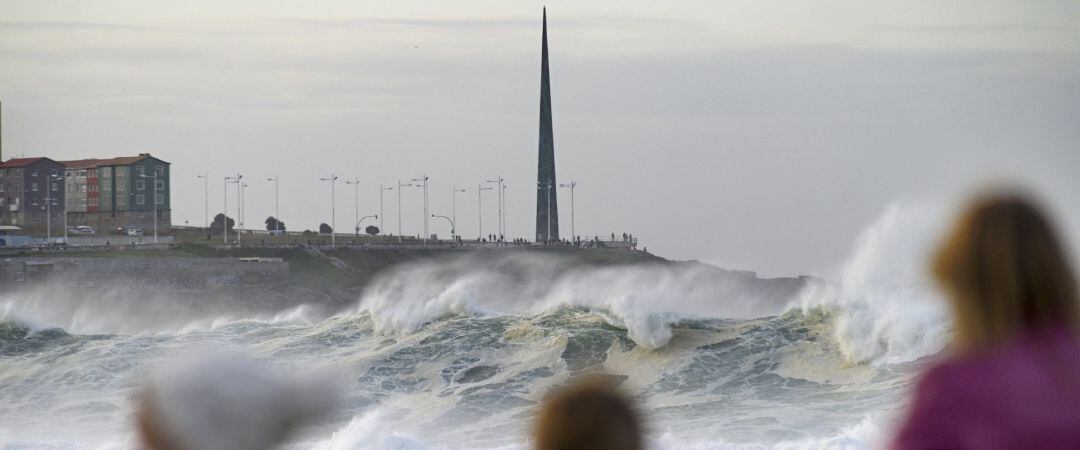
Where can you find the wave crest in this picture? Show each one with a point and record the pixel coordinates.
(645, 299)
(886, 310)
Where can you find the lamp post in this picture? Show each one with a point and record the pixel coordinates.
(480, 209)
(355, 182)
(547, 186)
(499, 183)
(424, 179)
(239, 207)
(333, 208)
(382, 217)
(48, 209)
(362, 219)
(277, 212)
(453, 203)
(453, 232)
(206, 199)
(48, 215)
(572, 184)
(155, 178)
(225, 208)
(399, 186)
(243, 206)
(506, 212)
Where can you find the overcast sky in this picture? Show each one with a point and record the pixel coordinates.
(753, 134)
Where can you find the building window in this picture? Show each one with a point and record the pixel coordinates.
(140, 170)
(159, 170)
(140, 199)
(1, 188)
(53, 172)
(55, 187)
(33, 187)
(121, 185)
(159, 185)
(160, 199)
(82, 188)
(33, 201)
(140, 185)
(33, 172)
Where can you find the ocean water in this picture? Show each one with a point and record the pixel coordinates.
(458, 355)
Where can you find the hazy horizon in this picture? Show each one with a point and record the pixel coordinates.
(760, 136)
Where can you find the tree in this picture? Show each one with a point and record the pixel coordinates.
(372, 230)
(216, 225)
(272, 223)
(325, 229)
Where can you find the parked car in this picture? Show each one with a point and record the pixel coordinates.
(277, 232)
(82, 229)
(132, 231)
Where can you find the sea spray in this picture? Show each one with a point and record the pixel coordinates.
(885, 309)
(457, 353)
(646, 299)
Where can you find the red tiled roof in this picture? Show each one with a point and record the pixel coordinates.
(19, 162)
(82, 163)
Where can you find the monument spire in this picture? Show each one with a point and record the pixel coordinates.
(547, 205)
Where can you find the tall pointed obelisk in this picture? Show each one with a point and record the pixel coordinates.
(547, 205)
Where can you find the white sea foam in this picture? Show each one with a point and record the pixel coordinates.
(645, 299)
(885, 307)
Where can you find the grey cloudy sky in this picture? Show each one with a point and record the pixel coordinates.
(758, 135)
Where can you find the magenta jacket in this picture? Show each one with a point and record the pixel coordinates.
(1024, 395)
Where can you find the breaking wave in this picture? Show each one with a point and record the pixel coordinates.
(458, 353)
(886, 309)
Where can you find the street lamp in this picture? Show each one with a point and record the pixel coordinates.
(277, 212)
(48, 209)
(225, 208)
(480, 209)
(548, 187)
(355, 182)
(206, 199)
(424, 179)
(382, 230)
(453, 202)
(399, 186)
(572, 184)
(362, 219)
(155, 178)
(243, 208)
(333, 209)
(453, 232)
(499, 183)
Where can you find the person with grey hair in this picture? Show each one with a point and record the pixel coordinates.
(227, 402)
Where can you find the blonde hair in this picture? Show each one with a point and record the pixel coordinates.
(590, 414)
(1006, 273)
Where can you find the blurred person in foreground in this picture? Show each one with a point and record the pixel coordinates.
(1013, 378)
(224, 401)
(588, 415)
